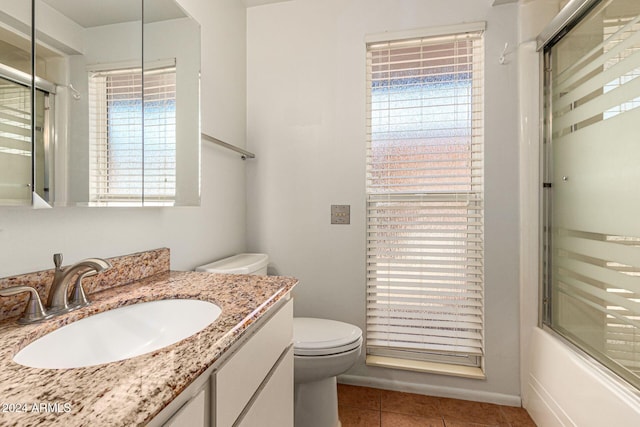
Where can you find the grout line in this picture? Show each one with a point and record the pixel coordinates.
(440, 415)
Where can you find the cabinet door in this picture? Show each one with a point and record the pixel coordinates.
(238, 379)
(274, 405)
(192, 414)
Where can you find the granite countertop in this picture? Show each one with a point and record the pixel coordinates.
(130, 392)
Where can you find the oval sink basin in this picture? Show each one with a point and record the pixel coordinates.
(119, 334)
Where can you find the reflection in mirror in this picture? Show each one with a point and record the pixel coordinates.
(105, 136)
(95, 59)
(24, 165)
(43, 161)
(171, 66)
(115, 138)
(15, 111)
(134, 137)
(15, 145)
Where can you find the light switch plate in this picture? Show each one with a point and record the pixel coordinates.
(340, 214)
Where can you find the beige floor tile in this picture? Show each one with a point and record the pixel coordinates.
(355, 417)
(471, 412)
(360, 406)
(449, 423)
(391, 419)
(409, 404)
(517, 417)
(359, 397)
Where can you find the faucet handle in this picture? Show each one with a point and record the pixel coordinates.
(34, 312)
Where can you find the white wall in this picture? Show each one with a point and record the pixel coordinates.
(306, 123)
(533, 17)
(28, 238)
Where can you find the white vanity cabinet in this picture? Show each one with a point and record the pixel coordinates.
(260, 371)
(250, 386)
(274, 405)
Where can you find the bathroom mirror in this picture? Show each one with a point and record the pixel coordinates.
(171, 66)
(15, 104)
(117, 128)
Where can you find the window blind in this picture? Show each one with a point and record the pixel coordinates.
(15, 118)
(122, 168)
(15, 141)
(160, 134)
(425, 198)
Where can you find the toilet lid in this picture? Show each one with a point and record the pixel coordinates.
(317, 337)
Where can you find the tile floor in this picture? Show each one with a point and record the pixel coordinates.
(369, 407)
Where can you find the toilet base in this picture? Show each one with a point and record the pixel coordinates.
(316, 403)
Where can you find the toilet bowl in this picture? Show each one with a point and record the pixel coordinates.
(322, 350)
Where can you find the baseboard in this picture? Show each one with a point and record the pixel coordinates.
(432, 390)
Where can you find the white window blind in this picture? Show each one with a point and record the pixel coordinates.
(160, 134)
(15, 118)
(15, 142)
(425, 199)
(122, 168)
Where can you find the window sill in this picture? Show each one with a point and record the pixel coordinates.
(429, 367)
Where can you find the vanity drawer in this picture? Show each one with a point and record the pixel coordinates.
(273, 406)
(242, 374)
(192, 414)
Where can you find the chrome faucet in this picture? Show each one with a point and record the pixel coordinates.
(58, 302)
(58, 299)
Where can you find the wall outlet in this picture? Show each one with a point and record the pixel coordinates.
(340, 214)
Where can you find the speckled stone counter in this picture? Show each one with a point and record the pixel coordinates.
(126, 269)
(131, 392)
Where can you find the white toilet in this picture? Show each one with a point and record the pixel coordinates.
(239, 264)
(322, 350)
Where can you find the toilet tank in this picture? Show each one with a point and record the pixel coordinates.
(238, 264)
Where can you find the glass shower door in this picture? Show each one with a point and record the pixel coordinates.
(593, 192)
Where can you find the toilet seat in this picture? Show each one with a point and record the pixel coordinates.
(322, 337)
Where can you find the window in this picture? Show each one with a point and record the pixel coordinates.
(123, 169)
(425, 199)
